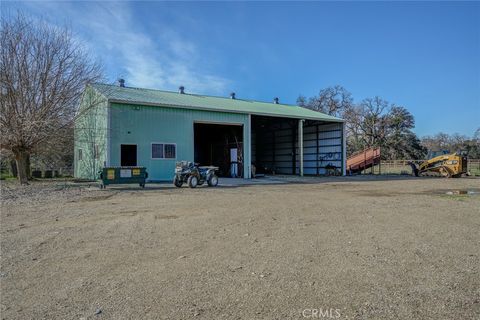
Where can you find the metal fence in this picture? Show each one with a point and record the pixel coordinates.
(402, 167)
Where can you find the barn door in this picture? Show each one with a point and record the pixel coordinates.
(128, 155)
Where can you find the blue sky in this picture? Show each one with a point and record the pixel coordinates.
(422, 55)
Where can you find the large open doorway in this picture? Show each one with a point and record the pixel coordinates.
(219, 145)
(276, 150)
(274, 145)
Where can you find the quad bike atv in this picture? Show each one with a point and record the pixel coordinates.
(445, 165)
(190, 173)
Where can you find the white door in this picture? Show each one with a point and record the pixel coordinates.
(234, 162)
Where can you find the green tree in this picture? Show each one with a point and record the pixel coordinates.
(401, 142)
(332, 100)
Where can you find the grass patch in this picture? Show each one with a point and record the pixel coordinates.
(6, 177)
(475, 172)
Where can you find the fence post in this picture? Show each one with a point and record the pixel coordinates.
(364, 161)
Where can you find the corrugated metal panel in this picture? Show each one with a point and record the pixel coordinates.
(280, 148)
(195, 101)
(254, 147)
(330, 151)
(90, 136)
(144, 125)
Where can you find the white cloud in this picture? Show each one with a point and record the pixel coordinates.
(160, 58)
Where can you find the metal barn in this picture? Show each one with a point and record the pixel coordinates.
(124, 126)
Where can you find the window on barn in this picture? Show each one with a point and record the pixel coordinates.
(80, 154)
(170, 151)
(157, 150)
(164, 151)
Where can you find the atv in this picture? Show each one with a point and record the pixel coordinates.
(190, 173)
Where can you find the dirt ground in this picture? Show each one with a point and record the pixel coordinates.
(347, 247)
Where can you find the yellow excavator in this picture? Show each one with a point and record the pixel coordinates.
(442, 163)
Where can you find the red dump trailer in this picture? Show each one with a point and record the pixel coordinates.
(363, 160)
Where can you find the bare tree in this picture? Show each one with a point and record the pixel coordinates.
(440, 141)
(55, 153)
(454, 143)
(43, 74)
(375, 120)
(354, 129)
(332, 100)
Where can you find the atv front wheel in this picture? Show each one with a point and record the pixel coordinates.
(192, 181)
(177, 181)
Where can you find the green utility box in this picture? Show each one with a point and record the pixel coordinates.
(123, 175)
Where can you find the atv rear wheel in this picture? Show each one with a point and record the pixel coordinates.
(192, 181)
(177, 181)
(212, 181)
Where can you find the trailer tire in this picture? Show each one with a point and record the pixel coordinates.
(192, 181)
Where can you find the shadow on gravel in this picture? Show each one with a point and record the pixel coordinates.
(231, 183)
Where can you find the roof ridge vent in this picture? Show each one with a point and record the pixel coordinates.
(275, 100)
(232, 95)
(181, 90)
(121, 82)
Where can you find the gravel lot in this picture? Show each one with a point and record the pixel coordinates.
(361, 248)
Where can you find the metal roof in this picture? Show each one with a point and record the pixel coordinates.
(200, 102)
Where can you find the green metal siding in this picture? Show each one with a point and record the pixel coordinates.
(111, 116)
(90, 134)
(142, 125)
